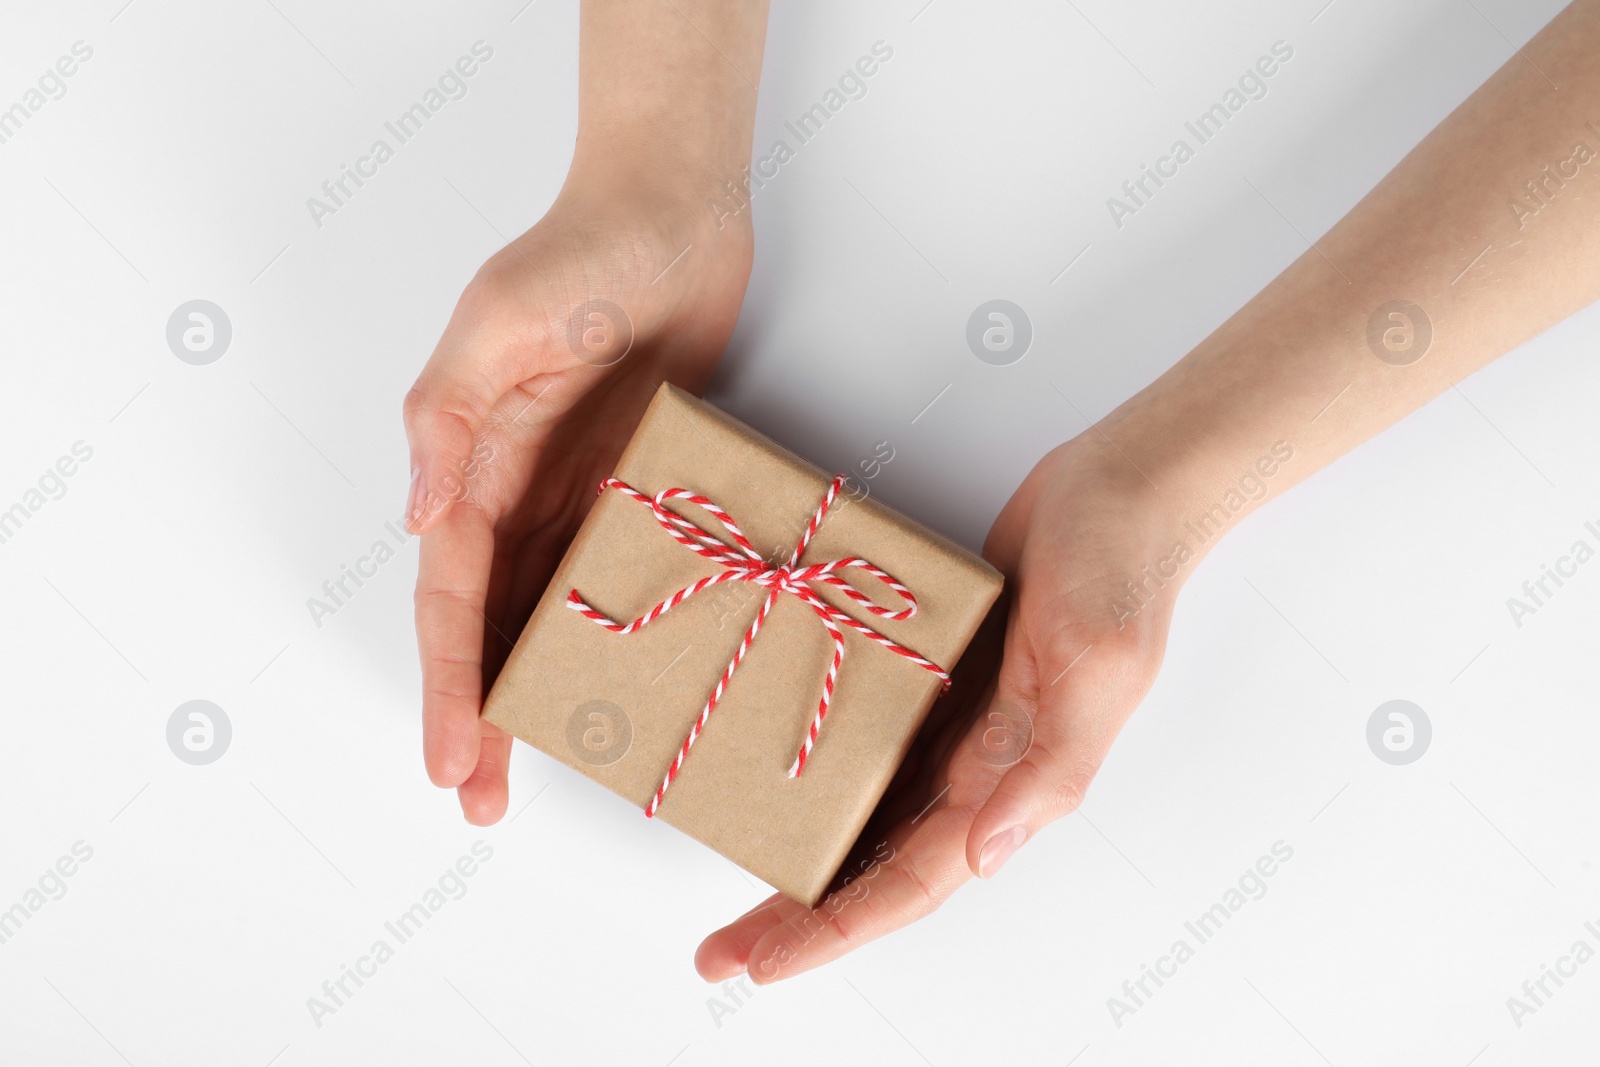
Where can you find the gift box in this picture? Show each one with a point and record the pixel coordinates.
(741, 646)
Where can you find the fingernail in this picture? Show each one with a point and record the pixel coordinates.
(414, 501)
(998, 849)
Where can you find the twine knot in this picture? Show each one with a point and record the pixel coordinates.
(742, 563)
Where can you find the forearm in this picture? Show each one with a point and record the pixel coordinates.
(1297, 365)
(667, 92)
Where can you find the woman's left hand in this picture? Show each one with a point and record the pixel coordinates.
(1025, 727)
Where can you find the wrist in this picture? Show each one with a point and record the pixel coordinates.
(1147, 505)
(1180, 485)
(1111, 547)
(1220, 433)
(694, 201)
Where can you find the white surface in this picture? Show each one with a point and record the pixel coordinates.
(178, 563)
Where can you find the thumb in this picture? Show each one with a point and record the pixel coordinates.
(1051, 707)
(502, 334)
(444, 412)
(495, 339)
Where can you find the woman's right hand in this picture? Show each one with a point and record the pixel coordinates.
(552, 353)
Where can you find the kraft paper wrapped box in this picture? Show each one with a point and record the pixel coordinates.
(618, 706)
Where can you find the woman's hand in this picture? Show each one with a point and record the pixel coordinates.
(1096, 554)
(634, 276)
(1007, 751)
(546, 366)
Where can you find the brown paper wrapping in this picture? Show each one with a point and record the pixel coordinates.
(616, 707)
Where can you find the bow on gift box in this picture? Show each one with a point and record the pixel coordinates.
(742, 563)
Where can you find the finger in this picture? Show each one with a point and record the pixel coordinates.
(726, 952)
(484, 795)
(479, 359)
(906, 883)
(1075, 705)
(452, 579)
(444, 413)
(922, 798)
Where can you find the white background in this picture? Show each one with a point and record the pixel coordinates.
(219, 498)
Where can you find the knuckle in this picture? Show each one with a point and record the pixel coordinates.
(444, 600)
(1071, 785)
(903, 894)
(859, 919)
(923, 899)
(496, 285)
(414, 404)
(1058, 781)
(441, 694)
(433, 412)
(1065, 647)
(851, 920)
(491, 763)
(1066, 796)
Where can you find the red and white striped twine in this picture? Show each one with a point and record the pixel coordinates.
(742, 563)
